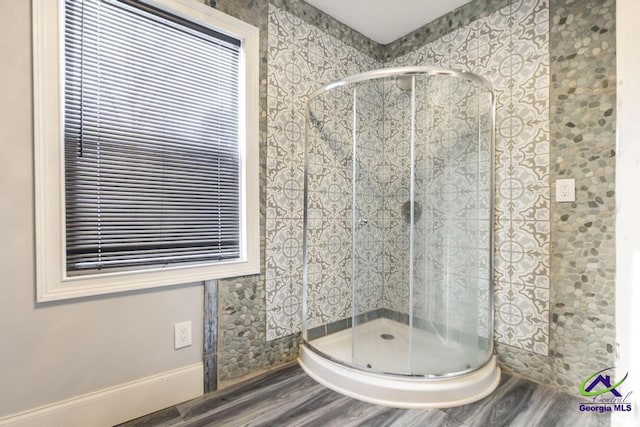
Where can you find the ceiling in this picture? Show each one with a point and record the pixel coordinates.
(384, 20)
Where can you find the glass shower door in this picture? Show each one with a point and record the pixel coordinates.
(328, 291)
(382, 147)
(451, 252)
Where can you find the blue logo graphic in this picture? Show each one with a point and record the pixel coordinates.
(605, 380)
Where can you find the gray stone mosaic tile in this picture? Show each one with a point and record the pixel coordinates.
(243, 348)
(583, 147)
(241, 334)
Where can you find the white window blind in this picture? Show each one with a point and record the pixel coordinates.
(151, 136)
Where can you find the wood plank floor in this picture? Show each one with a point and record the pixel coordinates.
(290, 398)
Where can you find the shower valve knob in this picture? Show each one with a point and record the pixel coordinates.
(363, 221)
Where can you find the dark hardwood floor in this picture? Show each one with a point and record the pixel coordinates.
(289, 397)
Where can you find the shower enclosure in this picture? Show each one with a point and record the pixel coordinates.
(398, 237)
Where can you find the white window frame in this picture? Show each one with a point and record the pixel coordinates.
(53, 282)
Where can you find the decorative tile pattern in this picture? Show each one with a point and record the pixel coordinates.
(253, 10)
(244, 335)
(242, 316)
(582, 270)
(451, 256)
(463, 16)
(509, 47)
(302, 57)
(327, 25)
(582, 125)
(518, 64)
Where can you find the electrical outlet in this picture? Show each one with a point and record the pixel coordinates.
(566, 190)
(182, 335)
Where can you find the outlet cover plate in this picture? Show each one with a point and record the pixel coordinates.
(566, 190)
(182, 335)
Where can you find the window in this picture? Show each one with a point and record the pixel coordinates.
(146, 145)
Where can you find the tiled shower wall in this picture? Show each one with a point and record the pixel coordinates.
(510, 48)
(301, 59)
(582, 98)
(580, 238)
(242, 348)
(583, 118)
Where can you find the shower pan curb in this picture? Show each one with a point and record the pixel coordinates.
(398, 392)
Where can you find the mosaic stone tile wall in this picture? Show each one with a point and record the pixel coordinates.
(583, 99)
(243, 349)
(510, 48)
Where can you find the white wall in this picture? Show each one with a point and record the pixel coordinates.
(628, 202)
(56, 351)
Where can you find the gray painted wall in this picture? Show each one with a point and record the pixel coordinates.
(55, 351)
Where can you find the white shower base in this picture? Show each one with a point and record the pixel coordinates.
(430, 355)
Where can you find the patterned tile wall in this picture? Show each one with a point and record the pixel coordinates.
(302, 57)
(243, 349)
(309, 14)
(396, 192)
(451, 233)
(582, 66)
(329, 209)
(583, 117)
(460, 17)
(486, 47)
(511, 49)
(370, 260)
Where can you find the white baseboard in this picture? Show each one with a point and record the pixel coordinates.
(117, 404)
